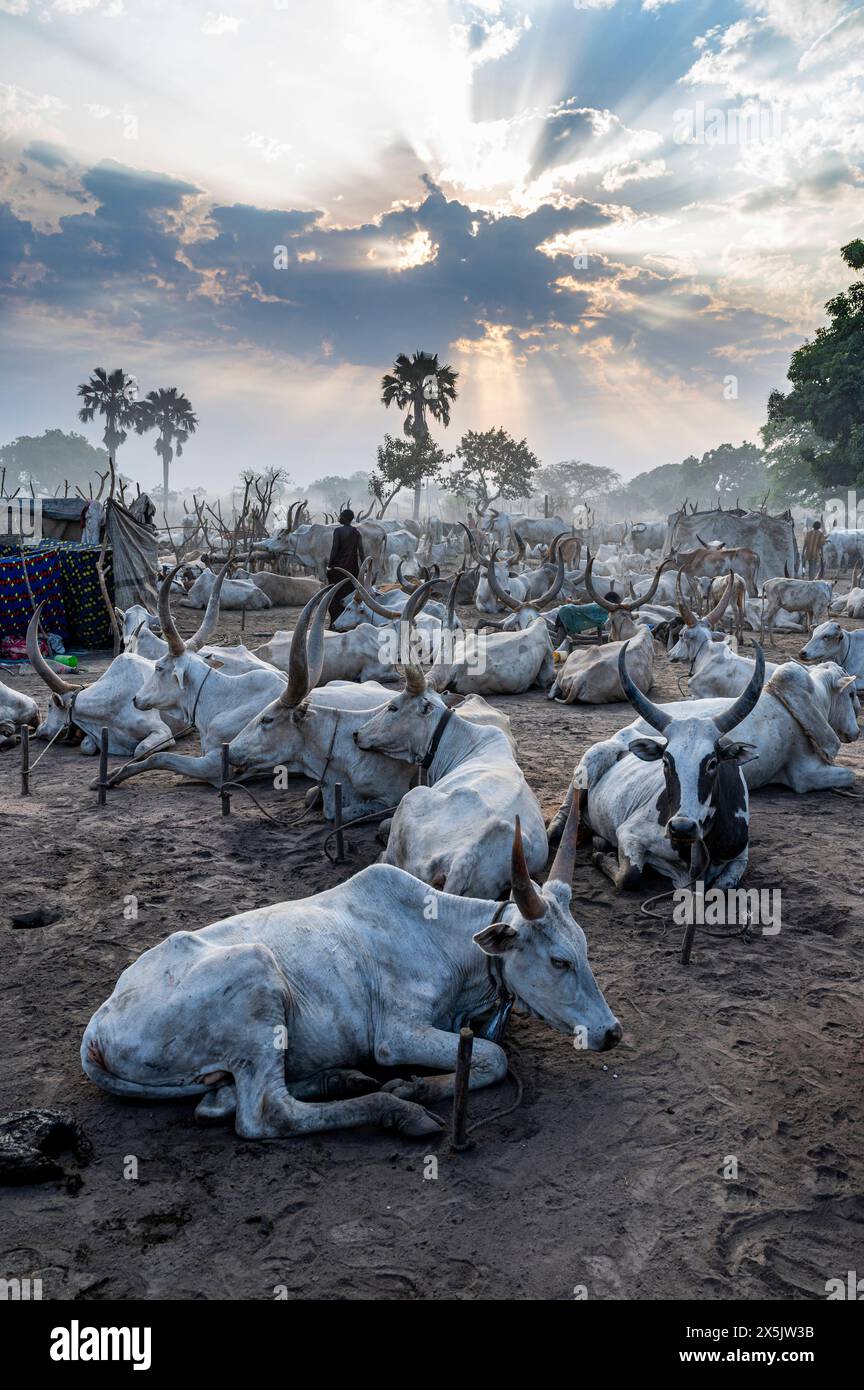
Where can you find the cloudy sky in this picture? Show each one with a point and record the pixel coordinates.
(616, 218)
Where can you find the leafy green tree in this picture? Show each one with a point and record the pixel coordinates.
(405, 463)
(828, 386)
(170, 413)
(50, 459)
(114, 396)
(493, 466)
(422, 387)
(789, 475)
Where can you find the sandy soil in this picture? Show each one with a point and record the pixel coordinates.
(608, 1175)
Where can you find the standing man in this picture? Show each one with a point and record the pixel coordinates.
(346, 554)
(814, 540)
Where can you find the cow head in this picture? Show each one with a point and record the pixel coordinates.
(62, 692)
(697, 631)
(622, 625)
(543, 952)
(828, 643)
(166, 688)
(844, 705)
(405, 727)
(272, 736)
(701, 765)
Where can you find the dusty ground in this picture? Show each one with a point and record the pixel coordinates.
(609, 1174)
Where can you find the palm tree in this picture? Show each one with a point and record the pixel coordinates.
(113, 395)
(417, 384)
(169, 412)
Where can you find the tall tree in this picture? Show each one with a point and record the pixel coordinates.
(419, 385)
(492, 466)
(828, 386)
(404, 463)
(114, 396)
(170, 413)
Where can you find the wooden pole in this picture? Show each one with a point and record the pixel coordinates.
(103, 766)
(25, 760)
(226, 777)
(460, 1142)
(340, 839)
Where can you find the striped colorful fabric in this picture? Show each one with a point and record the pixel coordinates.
(89, 624)
(45, 574)
(75, 611)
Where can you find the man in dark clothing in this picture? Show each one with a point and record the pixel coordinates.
(346, 554)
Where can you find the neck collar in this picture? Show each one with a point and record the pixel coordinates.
(444, 720)
(504, 998)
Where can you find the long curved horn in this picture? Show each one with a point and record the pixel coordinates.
(657, 718)
(610, 607)
(315, 640)
(298, 686)
(717, 613)
(629, 604)
(418, 600)
(52, 679)
(747, 699)
(484, 563)
(501, 594)
(554, 588)
(400, 581)
(390, 614)
(525, 895)
(687, 614)
(451, 600)
(565, 858)
(701, 542)
(176, 645)
(211, 612)
(415, 681)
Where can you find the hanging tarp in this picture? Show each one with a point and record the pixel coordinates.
(134, 555)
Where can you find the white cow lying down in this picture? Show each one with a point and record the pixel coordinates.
(261, 1013)
(799, 722)
(16, 708)
(236, 593)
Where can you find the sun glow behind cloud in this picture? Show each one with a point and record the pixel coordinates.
(548, 128)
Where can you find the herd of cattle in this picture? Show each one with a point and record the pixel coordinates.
(269, 1016)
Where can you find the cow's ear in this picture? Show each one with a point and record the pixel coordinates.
(844, 681)
(739, 753)
(648, 749)
(179, 676)
(497, 938)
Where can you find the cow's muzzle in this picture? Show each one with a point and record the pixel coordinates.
(683, 829)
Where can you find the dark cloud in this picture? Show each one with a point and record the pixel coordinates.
(43, 152)
(148, 258)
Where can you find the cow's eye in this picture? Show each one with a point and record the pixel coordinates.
(712, 764)
(265, 723)
(559, 963)
(392, 708)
